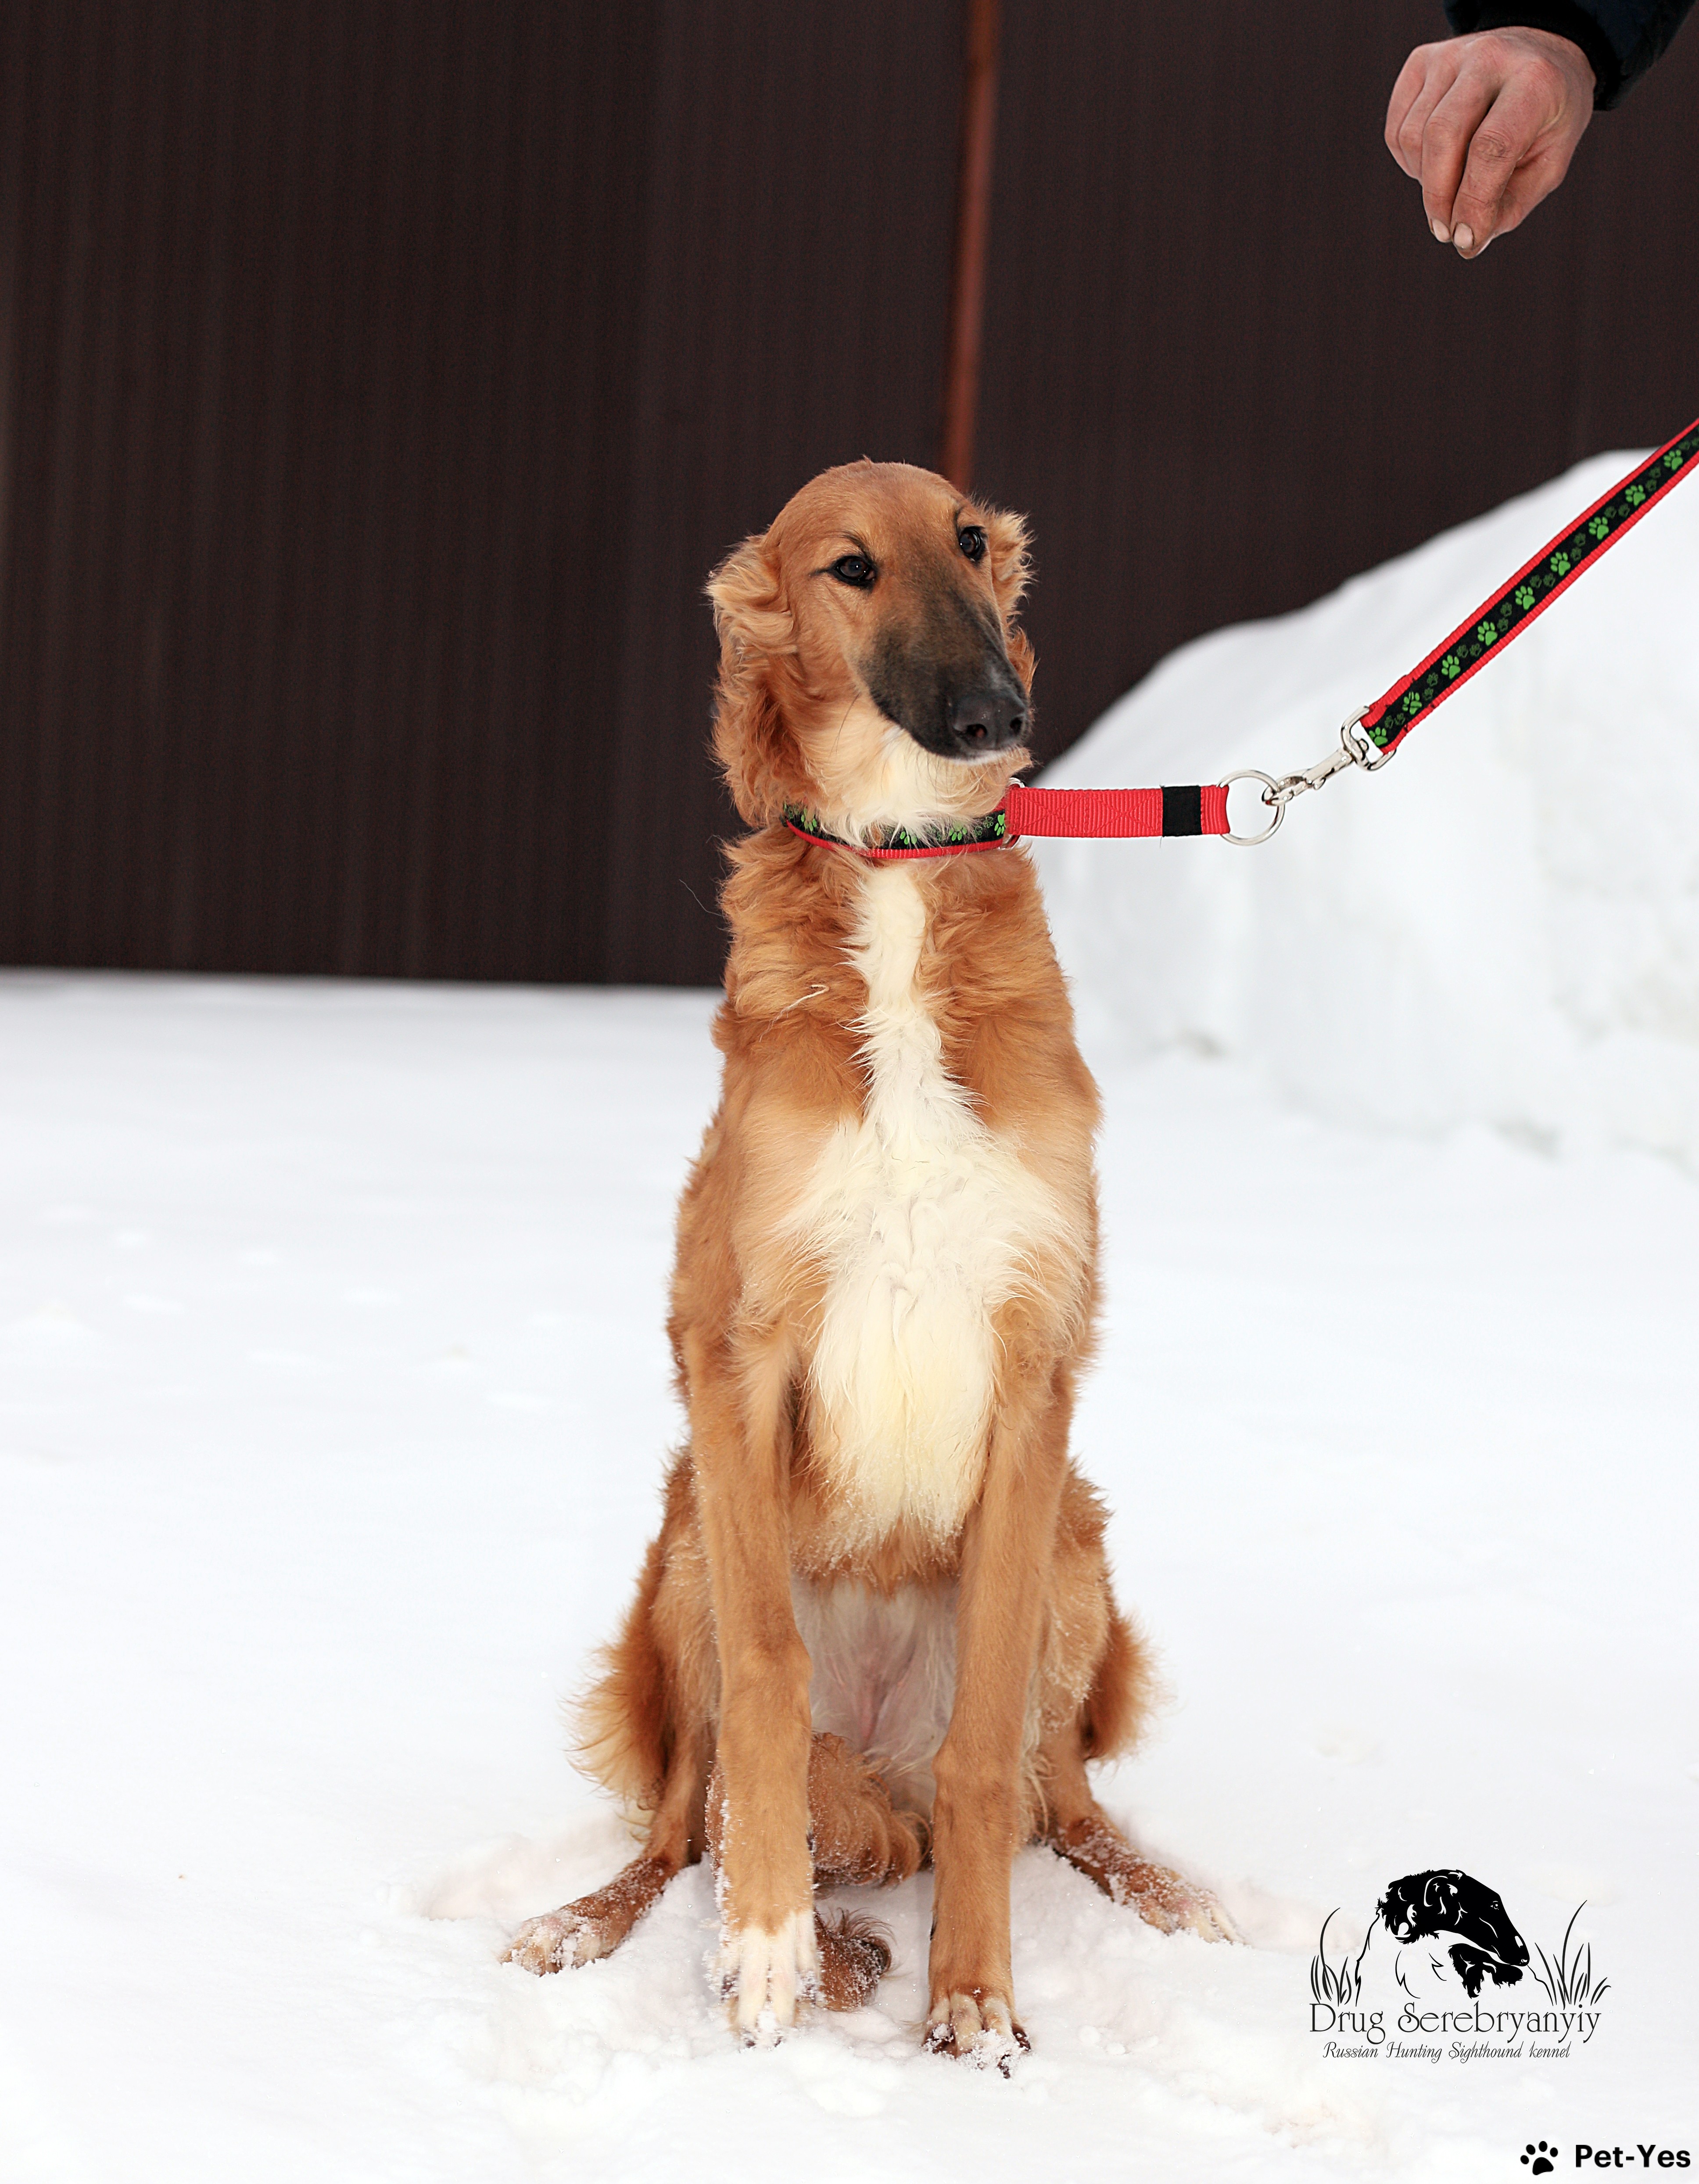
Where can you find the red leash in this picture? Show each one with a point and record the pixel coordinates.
(1116, 814)
(1371, 736)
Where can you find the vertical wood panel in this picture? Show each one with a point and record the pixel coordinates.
(320, 351)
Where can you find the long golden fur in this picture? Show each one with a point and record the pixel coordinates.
(876, 1628)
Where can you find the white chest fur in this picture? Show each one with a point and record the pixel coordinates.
(925, 1222)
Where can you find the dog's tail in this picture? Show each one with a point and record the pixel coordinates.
(1124, 1691)
(624, 1726)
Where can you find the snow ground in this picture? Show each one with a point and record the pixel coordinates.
(332, 1403)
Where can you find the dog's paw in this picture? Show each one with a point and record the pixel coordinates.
(1209, 1920)
(594, 1925)
(855, 1956)
(557, 1941)
(1171, 1904)
(978, 2028)
(764, 1972)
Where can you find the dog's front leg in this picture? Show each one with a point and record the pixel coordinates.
(768, 1958)
(977, 1812)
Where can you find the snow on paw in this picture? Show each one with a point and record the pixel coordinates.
(855, 1956)
(595, 1925)
(765, 1972)
(556, 1940)
(1209, 1918)
(1165, 1899)
(1172, 1904)
(976, 2027)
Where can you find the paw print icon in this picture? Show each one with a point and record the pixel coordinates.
(1541, 2160)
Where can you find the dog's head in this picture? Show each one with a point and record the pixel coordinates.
(870, 669)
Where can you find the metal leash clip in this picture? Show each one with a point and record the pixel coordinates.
(1354, 749)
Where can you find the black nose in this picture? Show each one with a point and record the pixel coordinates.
(988, 720)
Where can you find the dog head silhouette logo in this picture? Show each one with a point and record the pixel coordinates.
(1452, 1932)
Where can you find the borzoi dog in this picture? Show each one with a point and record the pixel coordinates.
(877, 1628)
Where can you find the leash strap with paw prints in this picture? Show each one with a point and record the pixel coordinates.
(1371, 736)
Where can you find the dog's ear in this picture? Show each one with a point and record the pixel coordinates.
(1021, 657)
(749, 612)
(1011, 569)
(1011, 566)
(757, 663)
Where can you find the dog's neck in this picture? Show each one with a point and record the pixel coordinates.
(942, 838)
(865, 782)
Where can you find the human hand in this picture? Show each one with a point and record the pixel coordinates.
(1487, 124)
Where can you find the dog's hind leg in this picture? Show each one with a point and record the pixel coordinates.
(860, 1839)
(1096, 1688)
(1077, 1828)
(644, 1730)
(595, 1925)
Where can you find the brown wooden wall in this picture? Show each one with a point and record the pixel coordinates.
(380, 378)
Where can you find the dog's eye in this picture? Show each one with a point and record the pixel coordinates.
(971, 541)
(854, 568)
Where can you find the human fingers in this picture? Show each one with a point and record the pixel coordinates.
(1447, 136)
(1423, 82)
(1522, 149)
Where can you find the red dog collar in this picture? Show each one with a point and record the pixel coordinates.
(1066, 814)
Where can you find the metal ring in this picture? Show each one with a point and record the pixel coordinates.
(1270, 787)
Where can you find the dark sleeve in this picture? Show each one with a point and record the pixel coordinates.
(1621, 38)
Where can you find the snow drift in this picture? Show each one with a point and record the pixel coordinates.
(1503, 925)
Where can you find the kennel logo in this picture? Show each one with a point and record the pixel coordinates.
(1443, 1975)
